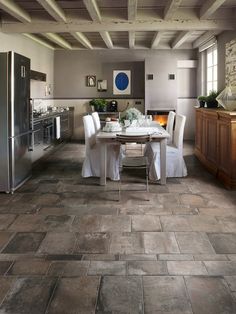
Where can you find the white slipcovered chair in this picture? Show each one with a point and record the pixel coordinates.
(91, 164)
(170, 125)
(175, 164)
(96, 120)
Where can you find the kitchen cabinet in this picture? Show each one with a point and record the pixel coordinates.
(215, 143)
(44, 128)
(67, 124)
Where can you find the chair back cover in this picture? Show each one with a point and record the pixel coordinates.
(179, 132)
(170, 125)
(89, 131)
(91, 164)
(175, 164)
(96, 120)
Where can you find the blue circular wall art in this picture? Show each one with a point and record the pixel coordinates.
(121, 82)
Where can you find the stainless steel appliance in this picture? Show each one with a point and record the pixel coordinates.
(15, 121)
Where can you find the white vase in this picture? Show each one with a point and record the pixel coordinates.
(127, 123)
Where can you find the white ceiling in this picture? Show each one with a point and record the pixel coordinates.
(118, 24)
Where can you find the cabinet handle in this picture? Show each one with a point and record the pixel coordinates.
(22, 71)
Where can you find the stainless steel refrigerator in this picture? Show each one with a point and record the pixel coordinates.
(15, 121)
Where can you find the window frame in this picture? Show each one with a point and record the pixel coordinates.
(211, 84)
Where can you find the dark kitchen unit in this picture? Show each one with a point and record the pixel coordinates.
(45, 133)
(15, 121)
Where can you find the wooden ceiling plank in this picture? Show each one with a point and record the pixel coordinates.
(38, 40)
(132, 10)
(209, 7)
(179, 40)
(93, 10)
(15, 10)
(58, 40)
(156, 39)
(131, 39)
(53, 9)
(82, 39)
(107, 39)
(170, 8)
(145, 26)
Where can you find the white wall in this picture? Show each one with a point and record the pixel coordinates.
(162, 92)
(42, 59)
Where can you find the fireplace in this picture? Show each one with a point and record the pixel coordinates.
(160, 115)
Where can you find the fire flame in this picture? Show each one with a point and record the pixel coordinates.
(162, 119)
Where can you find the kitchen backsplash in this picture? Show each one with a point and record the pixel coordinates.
(40, 105)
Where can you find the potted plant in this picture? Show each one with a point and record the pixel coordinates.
(202, 101)
(99, 104)
(211, 99)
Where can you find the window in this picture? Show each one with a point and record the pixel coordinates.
(211, 69)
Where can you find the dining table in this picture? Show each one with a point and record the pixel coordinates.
(157, 134)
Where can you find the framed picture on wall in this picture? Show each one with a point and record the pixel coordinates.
(91, 80)
(102, 85)
(122, 82)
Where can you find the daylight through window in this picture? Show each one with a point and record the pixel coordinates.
(212, 69)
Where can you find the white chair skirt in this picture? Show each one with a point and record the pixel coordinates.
(175, 164)
(91, 165)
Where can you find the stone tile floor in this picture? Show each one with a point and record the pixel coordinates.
(68, 246)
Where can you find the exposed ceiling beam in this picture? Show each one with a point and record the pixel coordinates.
(140, 25)
(132, 9)
(170, 8)
(107, 39)
(53, 9)
(179, 40)
(93, 10)
(15, 10)
(82, 39)
(58, 40)
(209, 7)
(39, 40)
(131, 39)
(156, 39)
(204, 38)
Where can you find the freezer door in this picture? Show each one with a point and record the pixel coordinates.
(20, 94)
(4, 146)
(20, 159)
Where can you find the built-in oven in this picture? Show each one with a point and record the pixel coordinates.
(48, 131)
(38, 133)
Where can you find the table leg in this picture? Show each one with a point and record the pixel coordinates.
(163, 160)
(103, 163)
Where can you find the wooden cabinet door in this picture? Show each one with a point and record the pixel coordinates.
(211, 138)
(224, 146)
(199, 130)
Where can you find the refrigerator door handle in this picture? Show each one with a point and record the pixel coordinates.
(22, 71)
(31, 146)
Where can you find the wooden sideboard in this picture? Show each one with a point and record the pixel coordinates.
(215, 143)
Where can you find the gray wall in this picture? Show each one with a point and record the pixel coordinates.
(222, 39)
(71, 68)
